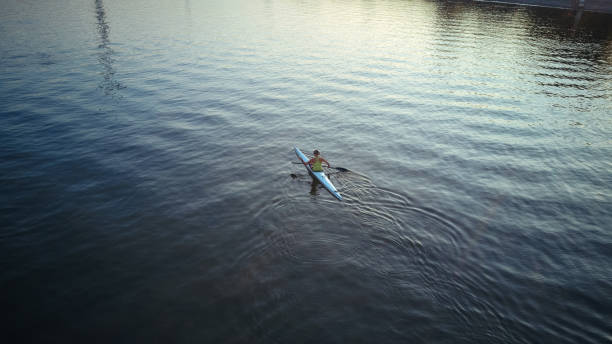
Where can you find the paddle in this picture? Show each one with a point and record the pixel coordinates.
(341, 169)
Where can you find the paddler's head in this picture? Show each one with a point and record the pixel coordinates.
(316, 152)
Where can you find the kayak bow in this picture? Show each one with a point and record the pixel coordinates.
(321, 177)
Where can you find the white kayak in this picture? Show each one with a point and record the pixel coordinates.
(321, 177)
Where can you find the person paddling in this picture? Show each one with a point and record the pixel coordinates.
(316, 162)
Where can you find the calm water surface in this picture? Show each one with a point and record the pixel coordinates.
(146, 172)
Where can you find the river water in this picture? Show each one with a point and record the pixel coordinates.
(150, 191)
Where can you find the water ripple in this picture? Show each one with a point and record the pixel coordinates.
(146, 171)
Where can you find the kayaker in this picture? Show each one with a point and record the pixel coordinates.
(316, 162)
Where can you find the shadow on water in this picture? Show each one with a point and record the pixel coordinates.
(314, 186)
(109, 85)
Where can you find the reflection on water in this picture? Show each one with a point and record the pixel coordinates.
(109, 84)
(314, 186)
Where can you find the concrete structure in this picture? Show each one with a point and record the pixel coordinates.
(604, 6)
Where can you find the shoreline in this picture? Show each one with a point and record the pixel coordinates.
(600, 6)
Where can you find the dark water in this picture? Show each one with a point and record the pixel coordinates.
(146, 161)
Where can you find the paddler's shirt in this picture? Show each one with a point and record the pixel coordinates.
(316, 164)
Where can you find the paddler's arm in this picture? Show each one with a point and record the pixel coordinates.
(325, 161)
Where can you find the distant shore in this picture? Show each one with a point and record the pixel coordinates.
(604, 6)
